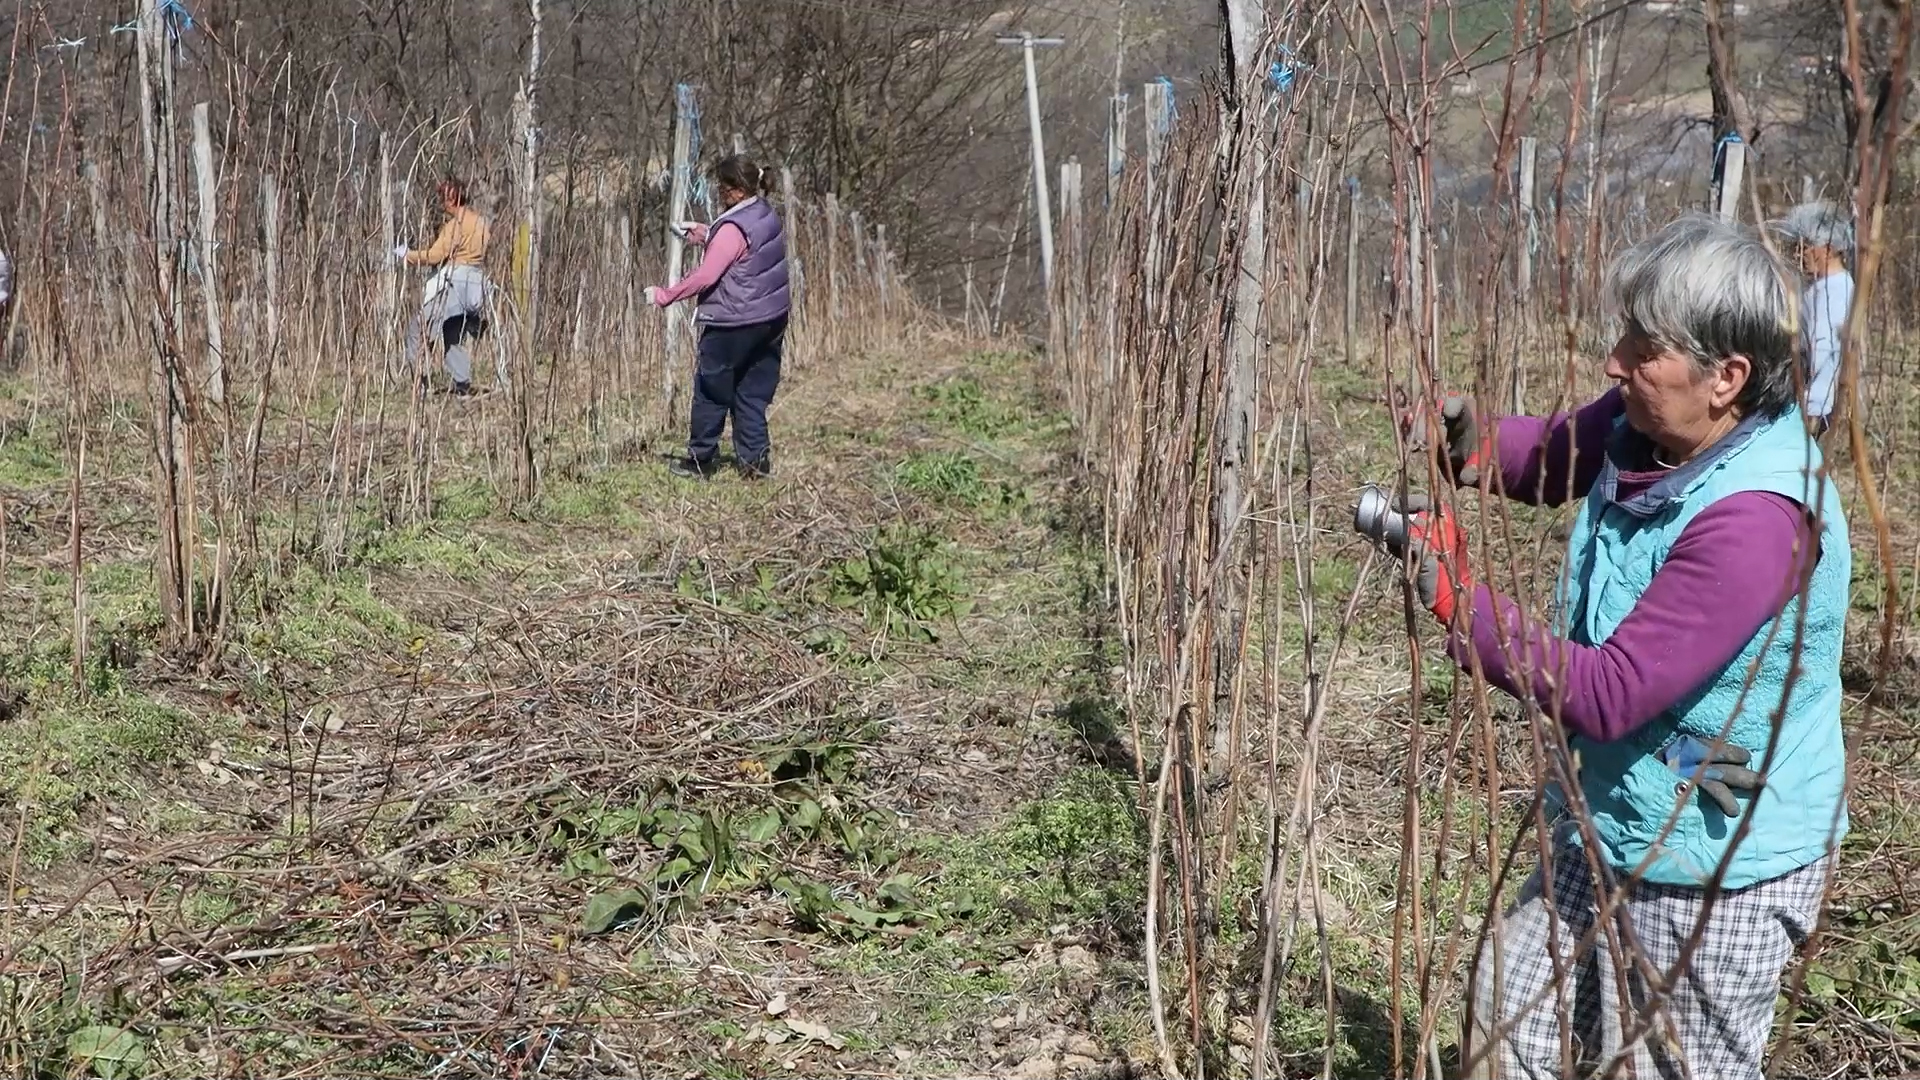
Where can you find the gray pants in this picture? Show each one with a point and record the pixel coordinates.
(457, 311)
(1718, 1014)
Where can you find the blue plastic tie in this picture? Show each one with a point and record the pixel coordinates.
(696, 179)
(177, 16)
(1281, 73)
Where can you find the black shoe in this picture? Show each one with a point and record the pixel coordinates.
(758, 469)
(693, 468)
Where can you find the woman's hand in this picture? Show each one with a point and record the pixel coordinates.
(695, 232)
(400, 253)
(1455, 423)
(1440, 545)
(656, 296)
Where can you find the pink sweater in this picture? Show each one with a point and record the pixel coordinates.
(724, 248)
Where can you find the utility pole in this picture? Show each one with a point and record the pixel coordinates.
(1042, 206)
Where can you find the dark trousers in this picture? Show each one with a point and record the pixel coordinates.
(739, 371)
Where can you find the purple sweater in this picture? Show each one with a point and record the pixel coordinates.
(1698, 612)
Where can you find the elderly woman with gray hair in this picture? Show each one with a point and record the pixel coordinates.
(1693, 663)
(1821, 239)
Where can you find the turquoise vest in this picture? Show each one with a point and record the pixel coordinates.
(1613, 553)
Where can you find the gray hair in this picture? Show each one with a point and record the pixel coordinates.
(1820, 224)
(1711, 289)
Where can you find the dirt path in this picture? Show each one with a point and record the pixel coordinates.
(650, 778)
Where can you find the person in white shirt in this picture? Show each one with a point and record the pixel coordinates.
(1821, 236)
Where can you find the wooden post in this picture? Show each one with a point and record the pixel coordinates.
(173, 465)
(880, 266)
(1523, 286)
(1303, 249)
(679, 195)
(1158, 97)
(398, 363)
(796, 262)
(739, 144)
(1806, 188)
(112, 302)
(206, 221)
(1116, 145)
(834, 291)
(967, 295)
(1246, 30)
(526, 471)
(1073, 229)
(1732, 170)
(857, 227)
(270, 290)
(1527, 233)
(1352, 313)
(628, 383)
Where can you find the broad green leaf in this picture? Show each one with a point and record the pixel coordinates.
(859, 915)
(806, 816)
(694, 844)
(111, 1052)
(761, 827)
(897, 891)
(605, 910)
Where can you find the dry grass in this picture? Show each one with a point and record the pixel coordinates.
(367, 838)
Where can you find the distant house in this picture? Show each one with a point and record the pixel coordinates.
(1675, 8)
(1809, 66)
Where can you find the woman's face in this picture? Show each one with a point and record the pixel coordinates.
(731, 197)
(449, 201)
(1667, 397)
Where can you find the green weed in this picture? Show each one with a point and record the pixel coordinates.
(1079, 853)
(465, 500)
(954, 477)
(314, 618)
(759, 598)
(28, 460)
(422, 548)
(962, 405)
(68, 751)
(903, 582)
(589, 500)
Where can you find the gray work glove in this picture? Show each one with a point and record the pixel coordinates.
(1726, 769)
(1456, 424)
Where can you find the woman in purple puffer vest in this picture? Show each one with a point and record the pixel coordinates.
(744, 300)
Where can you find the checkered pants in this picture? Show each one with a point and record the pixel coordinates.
(1712, 1023)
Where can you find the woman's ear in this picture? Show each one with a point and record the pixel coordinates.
(1730, 378)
